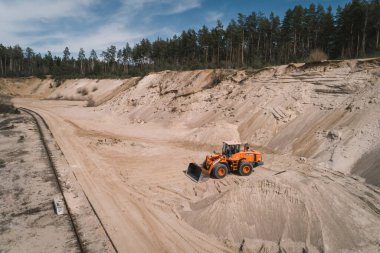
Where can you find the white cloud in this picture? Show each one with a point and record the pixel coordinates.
(182, 6)
(169, 6)
(147, 10)
(213, 16)
(19, 11)
(104, 36)
(24, 22)
(53, 24)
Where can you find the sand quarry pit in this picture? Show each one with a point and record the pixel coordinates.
(318, 126)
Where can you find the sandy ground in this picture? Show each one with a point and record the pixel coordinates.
(28, 222)
(313, 123)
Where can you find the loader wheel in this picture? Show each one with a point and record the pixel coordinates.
(245, 169)
(220, 171)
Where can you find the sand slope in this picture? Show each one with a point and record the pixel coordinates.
(26, 87)
(84, 89)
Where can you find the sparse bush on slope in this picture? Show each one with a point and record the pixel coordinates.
(2, 163)
(91, 102)
(217, 78)
(82, 91)
(317, 55)
(6, 106)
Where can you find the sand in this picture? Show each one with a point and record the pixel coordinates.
(313, 123)
(28, 222)
(26, 87)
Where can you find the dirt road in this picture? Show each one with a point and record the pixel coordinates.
(133, 175)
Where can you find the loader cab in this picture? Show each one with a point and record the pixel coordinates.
(230, 148)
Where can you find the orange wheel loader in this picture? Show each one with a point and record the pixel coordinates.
(233, 158)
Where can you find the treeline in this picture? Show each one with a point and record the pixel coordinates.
(254, 41)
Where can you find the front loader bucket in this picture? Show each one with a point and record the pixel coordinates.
(196, 173)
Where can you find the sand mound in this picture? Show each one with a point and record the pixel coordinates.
(299, 217)
(270, 211)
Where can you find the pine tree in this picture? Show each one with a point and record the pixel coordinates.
(29, 55)
(81, 59)
(93, 59)
(66, 54)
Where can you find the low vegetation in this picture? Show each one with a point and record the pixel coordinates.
(317, 55)
(58, 96)
(6, 105)
(21, 139)
(91, 102)
(2, 163)
(217, 78)
(82, 91)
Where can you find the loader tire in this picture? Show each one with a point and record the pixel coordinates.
(220, 171)
(245, 169)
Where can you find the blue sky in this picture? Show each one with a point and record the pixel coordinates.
(95, 24)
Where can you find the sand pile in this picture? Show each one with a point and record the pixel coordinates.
(301, 215)
(270, 212)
